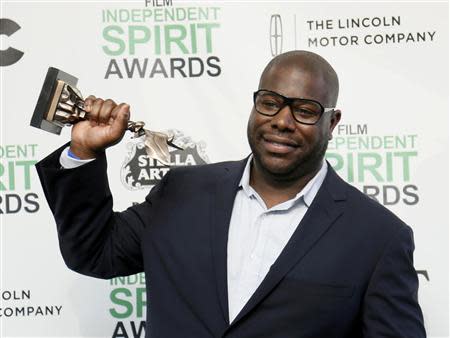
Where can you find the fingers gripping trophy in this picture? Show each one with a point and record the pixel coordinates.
(97, 123)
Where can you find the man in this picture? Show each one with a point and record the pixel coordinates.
(275, 245)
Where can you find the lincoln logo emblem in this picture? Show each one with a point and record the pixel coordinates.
(10, 55)
(276, 35)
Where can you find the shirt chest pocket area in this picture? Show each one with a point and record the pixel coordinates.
(312, 295)
(323, 305)
(323, 289)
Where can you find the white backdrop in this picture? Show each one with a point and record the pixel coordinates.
(392, 143)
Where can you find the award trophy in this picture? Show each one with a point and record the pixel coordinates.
(60, 104)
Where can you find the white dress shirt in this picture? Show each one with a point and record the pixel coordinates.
(257, 236)
(68, 162)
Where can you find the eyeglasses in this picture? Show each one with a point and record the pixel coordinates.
(304, 111)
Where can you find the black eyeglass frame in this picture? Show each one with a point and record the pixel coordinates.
(287, 101)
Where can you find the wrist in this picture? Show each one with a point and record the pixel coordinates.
(81, 153)
(72, 155)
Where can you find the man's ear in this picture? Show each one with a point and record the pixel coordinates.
(334, 120)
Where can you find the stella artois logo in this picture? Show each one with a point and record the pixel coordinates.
(142, 172)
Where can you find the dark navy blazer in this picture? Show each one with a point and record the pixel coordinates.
(347, 271)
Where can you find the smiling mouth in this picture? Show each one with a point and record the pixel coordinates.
(275, 145)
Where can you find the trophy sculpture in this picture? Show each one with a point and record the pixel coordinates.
(61, 104)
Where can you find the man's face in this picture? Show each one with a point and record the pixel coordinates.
(281, 146)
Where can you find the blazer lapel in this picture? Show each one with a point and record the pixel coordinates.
(223, 200)
(325, 209)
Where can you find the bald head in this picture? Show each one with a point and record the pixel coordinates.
(310, 64)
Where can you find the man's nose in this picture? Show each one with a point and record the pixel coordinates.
(284, 119)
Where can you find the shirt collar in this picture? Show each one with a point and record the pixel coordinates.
(308, 192)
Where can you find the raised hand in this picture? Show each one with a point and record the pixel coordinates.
(105, 126)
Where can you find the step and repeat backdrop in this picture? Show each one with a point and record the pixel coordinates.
(190, 68)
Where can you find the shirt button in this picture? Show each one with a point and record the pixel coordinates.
(252, 256)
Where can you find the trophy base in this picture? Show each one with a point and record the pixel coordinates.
(43, 116)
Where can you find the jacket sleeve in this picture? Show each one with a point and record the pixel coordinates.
(390, 305)
(93, 239)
